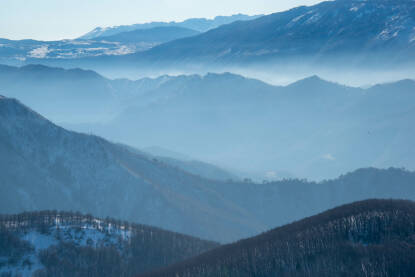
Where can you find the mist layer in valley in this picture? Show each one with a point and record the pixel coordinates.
(311, 128)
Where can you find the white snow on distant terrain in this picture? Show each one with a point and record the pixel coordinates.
(85, 235)
(123, 50)
(40, 52)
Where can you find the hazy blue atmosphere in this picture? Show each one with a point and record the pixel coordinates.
(207, 138)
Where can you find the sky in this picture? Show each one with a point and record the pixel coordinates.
(65, 19)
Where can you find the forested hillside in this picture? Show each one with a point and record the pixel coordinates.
(46, 167)
(368, 238)
(51, 243)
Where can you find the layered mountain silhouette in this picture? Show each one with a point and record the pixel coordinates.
(197, 24)
(312, 128)
(51, 243)
(195, 167)
(369, 238)
(351, 35)
(359, 29)
(46, 167)
(111, 41)
(155, 35)
(55, 91)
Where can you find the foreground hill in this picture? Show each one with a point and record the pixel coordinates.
(47, 167)
(51, 243)
(369, 238)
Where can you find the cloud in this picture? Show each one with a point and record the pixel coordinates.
(329, 157)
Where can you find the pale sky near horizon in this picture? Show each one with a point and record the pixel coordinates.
(60, 19)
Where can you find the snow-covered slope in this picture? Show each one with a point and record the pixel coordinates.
(39, 243)
(359, 29)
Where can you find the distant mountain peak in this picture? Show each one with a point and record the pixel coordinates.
(314, 80)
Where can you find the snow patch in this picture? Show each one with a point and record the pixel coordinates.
(298, 18)
(40, 52)
(314, 18)
(76, 42)
(355, 8)
(123, 50)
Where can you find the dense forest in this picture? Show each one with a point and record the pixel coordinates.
(368, 238)
(51, 243)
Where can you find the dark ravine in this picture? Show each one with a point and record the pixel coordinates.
(52, 243)
(368, 238)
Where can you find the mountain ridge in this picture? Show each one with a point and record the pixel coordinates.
(44, 243)
(337, 119)
(348, 240)
(74, 171)
(286, 33)
(204, 25)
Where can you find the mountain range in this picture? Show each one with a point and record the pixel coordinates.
(369, 238)
(361, 29)
(345, 35)
(45, 167)
(154, 36)
(112, 41)
(196, 24)
(236, 146)
(310, 129)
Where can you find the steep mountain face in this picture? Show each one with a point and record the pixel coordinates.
(197, 24)
(51, 243)
(46, 167)
(369, 238)
(155, 35)
(360, 29)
